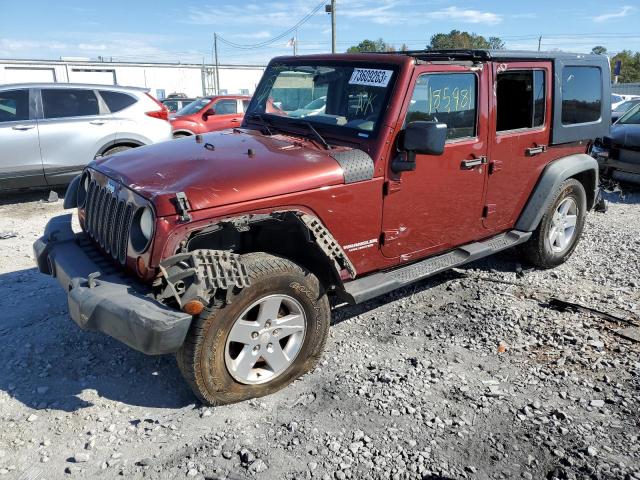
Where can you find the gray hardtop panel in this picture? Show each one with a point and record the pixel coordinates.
(581, 131)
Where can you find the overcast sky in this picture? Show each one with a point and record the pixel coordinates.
(164, 30)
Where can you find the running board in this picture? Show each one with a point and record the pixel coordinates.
(366, 288)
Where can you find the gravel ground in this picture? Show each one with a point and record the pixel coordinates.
(470, 374)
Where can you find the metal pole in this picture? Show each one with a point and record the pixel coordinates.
(215, 49)
(204, 82)
(333, 26)
(539, 42)
(295, 43)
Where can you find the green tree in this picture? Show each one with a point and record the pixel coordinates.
(371, 46)
(458, 39)
(630, 68)
(599, 50)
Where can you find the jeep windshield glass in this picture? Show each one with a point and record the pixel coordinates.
(348, 98)
(193, 107)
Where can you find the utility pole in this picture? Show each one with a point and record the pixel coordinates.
(215, 52)
(332, 10)
(295, 43)
(539, 42)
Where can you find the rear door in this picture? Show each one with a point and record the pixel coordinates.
(74, 125)
(439, 205)
(20, 162)
(520, 128)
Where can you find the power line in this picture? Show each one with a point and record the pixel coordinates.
(282, 35)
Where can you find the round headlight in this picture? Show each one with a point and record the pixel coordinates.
(142, 229)
(83, 188)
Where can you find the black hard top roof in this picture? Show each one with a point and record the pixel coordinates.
(498, 55)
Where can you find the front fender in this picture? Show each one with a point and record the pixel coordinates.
(552, 177)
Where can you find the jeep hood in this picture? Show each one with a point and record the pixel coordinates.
(224, 168)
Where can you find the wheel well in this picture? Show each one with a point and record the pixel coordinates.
(118, 143)
(588, 180)
(186, 133)
(285, 236)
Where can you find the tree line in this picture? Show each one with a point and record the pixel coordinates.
(630, 61)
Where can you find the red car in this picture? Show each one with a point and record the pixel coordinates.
(209, 114)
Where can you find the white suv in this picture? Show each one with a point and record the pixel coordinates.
(50, 131)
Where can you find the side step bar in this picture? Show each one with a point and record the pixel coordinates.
(366, 288)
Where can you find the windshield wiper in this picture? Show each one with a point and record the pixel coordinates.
(315, 133)
(263, 121)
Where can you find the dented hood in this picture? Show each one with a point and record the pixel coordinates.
(224, 168)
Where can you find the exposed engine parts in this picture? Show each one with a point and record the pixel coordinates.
(197, 275)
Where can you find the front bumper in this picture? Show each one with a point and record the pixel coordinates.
(101, 299)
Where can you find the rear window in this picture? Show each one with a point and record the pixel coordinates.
(117, 101)
(63, 102)
(581, 95)
(14, 105)
(520, 100)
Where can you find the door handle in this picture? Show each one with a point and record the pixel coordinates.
(469, 164)
(23, 127)
(97, 122)
(234, 120)
(531, 151)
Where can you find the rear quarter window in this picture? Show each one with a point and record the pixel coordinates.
(581, 95)
(117, 101)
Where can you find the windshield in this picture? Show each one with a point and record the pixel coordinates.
(623, 107)
(616, 98)
(194, 107)
(346, 97)
(632, 117)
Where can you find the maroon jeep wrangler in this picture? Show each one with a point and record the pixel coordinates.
(226, 248)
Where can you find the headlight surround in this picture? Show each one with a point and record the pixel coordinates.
(142, 228)
(83, 188)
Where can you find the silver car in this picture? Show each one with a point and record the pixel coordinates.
(50, 131)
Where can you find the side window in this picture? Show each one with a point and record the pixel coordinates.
(226, 107)
(14, 105)
(581, 94)
(67, 102)
(245, 105)
(520, 99)
(446, 98)
(117, 101)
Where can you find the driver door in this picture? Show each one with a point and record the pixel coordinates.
(439, 205)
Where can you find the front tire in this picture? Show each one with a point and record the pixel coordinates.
(271, 333)
(557, 236)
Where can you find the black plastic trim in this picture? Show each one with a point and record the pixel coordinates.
(100, 299)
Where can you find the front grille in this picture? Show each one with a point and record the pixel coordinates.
(108, 220)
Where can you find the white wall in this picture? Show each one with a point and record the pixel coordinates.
(168, 77)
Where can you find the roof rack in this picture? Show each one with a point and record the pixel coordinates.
(449, 54)
(480, 55)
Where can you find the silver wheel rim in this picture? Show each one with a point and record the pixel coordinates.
(265, 339)
(563, 225)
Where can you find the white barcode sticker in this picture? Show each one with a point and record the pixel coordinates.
(371, 77)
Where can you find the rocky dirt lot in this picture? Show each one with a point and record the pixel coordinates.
(471, 374)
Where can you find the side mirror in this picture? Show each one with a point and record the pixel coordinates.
(423, 137)
(208, 113)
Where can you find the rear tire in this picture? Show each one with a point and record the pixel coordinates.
(114, 150)
(180, 135)
(557, 236)
(233, 351)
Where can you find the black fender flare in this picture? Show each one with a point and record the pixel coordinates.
(71, 195)
(576, 165)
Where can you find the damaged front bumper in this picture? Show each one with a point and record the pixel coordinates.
(107, 302)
